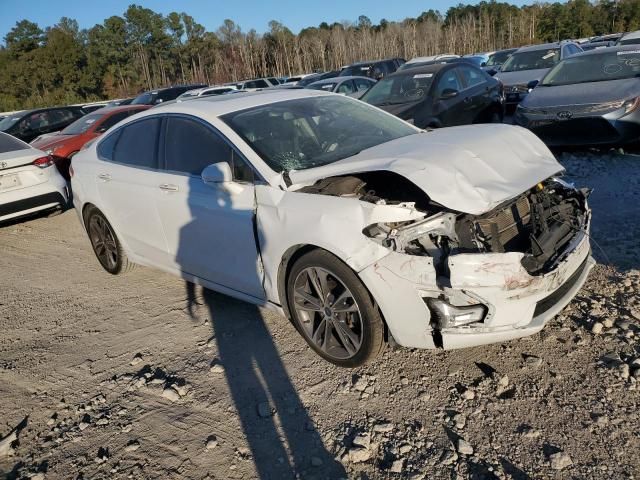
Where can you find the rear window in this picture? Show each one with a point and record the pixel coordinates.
(82, 124)
(11, 144)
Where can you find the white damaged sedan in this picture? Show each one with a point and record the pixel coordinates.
(357, 226)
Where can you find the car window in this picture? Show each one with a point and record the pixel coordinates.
(399, 89)
(113, 119)
(345, 87)
(60, 116)
(190, 146)
(82, 124)
(362, 84)
(532, 60)
(11, 144)
(106, 146)
(448, 81)
(137, 144)
(470, 76)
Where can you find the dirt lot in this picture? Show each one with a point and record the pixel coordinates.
(139, 377)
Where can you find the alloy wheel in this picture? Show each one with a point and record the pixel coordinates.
(103, 242)
(328, 313)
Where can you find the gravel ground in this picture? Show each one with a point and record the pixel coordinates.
(142, 377)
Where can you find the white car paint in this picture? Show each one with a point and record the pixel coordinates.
(24, 187)
(466, 169)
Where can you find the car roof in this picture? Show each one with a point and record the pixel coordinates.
(430, 58)
(542, 46)
(342, 79)
(602, 51)
(371, 62)
(431, 68)
(222, 104)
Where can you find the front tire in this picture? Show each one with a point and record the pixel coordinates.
(105, 244)
(333, 311)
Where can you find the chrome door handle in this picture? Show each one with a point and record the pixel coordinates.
(105, 177)
(167, 187)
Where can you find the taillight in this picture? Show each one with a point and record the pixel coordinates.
(43, 162)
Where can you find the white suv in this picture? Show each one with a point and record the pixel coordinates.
(29, 180)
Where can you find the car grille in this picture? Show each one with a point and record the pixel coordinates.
(549, 302)
(507, 223)
(577, 131)
(584, 109)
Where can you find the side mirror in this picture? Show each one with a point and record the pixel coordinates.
(532, 84)
(217, 173)
(492, 72)
(483, 64)
(158, 101)
(448, 93)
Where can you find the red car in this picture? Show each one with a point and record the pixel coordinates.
(65, 144)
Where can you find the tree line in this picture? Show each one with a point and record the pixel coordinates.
(143, 49)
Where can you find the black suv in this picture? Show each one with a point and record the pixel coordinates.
(30, 124)
(154, 97)
(374, 69)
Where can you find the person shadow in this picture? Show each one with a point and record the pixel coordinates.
(282, 437)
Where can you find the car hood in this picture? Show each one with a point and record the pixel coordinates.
(520, 78)
(469, 169)
(582, 93)
(402, 110)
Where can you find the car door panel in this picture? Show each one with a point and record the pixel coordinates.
(448, 111)
(209, 227)
(127, 180)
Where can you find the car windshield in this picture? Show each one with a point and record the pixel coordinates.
(10, 121)
(532, 60)
(82, 124)
(498, 58)
(327, 87)
(145, 99)
(597, 67)
(314, 131)
(629, 41)
(407, 88)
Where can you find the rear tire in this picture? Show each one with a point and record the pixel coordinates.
(105, 244)
(333, 311)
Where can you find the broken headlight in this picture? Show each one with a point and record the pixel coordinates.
(446, 315)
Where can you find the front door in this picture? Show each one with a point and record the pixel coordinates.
(209, 227)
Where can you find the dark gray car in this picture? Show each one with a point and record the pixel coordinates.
(589, 99)
(528, 65)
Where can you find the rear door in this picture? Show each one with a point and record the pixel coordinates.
(127, 180)
(209, 228)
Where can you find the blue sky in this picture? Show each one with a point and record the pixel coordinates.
(295, 14)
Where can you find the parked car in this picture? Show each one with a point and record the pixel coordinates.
(373, 69)
(30, 124)
(611, 37)
(479, 59)
(352, 86)
(200, 92)
(154, 97)
(254, 84)
(595, 45)
(293, 80)
(497, 59)
(588, 99)
(440, 95)
(308, 80)
(92, 107)
(62, 146)
(631, 38)
(357, 225)
(429, 60)
(525, 67)
(29, 182)
(120, 101)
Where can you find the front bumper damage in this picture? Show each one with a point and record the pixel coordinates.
(518, 304)
(516, 299)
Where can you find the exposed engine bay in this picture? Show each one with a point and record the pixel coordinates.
(538, 223)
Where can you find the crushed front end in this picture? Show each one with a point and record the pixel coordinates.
(484, 278)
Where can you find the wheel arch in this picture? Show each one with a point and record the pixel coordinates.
(289, 258)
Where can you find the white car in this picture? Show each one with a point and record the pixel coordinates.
(358, 226)
(29, 180)
(206, 91)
